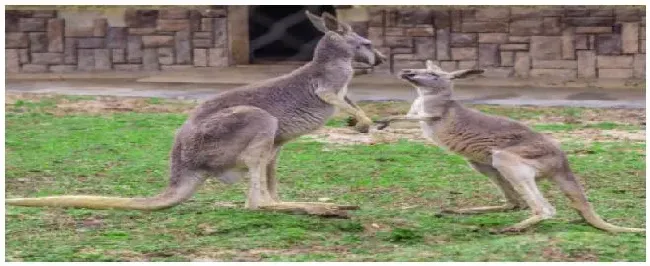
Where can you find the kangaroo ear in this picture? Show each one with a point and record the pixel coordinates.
(334, 24)
(318, 22)
(465, 73)
(433, 67)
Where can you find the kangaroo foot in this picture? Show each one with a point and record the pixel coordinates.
(523, 225)
(482, 209)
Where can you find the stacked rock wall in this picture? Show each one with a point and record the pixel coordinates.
(134, 39)
(561, 41)
(565, 42)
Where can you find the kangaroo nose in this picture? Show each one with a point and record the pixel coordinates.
(406, 74)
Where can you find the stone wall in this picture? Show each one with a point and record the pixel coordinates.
(560, 42)
(563, 42)
(133, 39)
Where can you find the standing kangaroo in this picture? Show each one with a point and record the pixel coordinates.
(245, 128)
(511, 154)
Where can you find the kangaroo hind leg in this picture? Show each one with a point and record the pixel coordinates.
(310, 208)
(513, 200)
(256, 157)
(571, 187)
(521, 175)
(272, 181)
(232, 141)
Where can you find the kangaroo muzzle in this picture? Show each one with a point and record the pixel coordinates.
(406, 74)
(379, 57)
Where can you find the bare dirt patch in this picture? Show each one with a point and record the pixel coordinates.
(98, 105)
(122, 254)
(554, 253)
(258, 254)
(540, 114)
(348, 136)
(590, 116)
(215, 254)
(111, 105)
(12, 97)
(601, 135)
(19, 187)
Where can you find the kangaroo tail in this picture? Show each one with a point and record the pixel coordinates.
(172, 196)
(569, 184)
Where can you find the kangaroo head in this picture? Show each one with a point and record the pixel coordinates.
(344, 41)
(434, 80)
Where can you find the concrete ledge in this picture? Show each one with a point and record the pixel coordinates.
(122, 75)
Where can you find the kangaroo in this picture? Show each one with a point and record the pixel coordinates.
(511, 154)
(243, 130)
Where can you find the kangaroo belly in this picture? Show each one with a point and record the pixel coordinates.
(302, 121)
(473, 147)
(482, 154)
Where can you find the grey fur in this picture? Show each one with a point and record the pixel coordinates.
(511, 154)
(243, 129)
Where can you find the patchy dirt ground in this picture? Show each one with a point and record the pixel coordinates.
(63, 105)
(98, 104)
(109, 104)
(534, 114)
(374, 235)
(211, 254)
(348, 136)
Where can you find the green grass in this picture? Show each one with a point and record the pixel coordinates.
(400, 187)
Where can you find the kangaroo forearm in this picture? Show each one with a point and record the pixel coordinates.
(333, 99)
(350, 102)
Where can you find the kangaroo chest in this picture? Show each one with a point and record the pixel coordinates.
(306, 116)
(448, 134)
(303, 120)
(429, 128)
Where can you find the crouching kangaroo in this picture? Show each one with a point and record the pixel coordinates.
(243, 129)
(511, 154)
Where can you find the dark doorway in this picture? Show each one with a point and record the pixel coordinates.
(283, 33)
